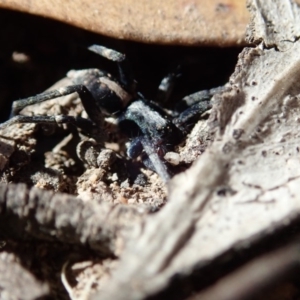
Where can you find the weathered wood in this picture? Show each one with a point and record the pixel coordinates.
(27, 214)
(256, 277)
(15, 280)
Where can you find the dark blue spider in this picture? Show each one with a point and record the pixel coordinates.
(152, 131)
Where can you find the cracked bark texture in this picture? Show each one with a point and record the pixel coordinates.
(245, 187)
(28, 214)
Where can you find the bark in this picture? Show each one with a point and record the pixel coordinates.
(15, 280)
(35, 214)
(255, 277)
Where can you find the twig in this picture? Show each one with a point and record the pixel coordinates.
(34, 213)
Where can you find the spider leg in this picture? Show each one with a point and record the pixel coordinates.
(154, 130)
(107, 53)
(88, 102)
(191, 115)
(151, 160)
(158, 164)
(135, 148)
(194, 106)
(82, 123)
(125, 72)
(167, 84)
(204, 95)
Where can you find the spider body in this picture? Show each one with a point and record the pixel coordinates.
(152, 131)
(109, 94)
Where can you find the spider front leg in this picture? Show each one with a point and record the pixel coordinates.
(153, 131)
(87, 99)
(79, 122)
(125, 72)
(152, 160)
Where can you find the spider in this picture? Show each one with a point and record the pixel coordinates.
(151, 129)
